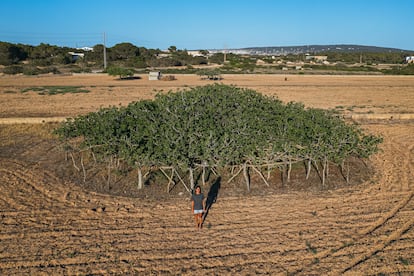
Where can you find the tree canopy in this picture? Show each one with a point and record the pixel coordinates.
(218, 126)
(121, 72)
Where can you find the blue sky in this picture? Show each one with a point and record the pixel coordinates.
(208, 24)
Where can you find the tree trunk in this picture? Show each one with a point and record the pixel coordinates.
(170, 179)
(182, 181)
(261, 175)
(308, 169)
(269, 170)
(83, 169)
(94, 157)
(191, 177)
(203, 175)
(327, 168)
(324, 167)
(246, 176)
(108, 182)
(140, 180)
(323, 175)
(347, 173)
(234, 175)
(213, 170)
(315, 164)
(73, 162)
(289, 170)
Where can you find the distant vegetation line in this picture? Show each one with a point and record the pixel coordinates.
(336, 59)
(338, 48)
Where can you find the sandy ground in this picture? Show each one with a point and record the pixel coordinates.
(48, 226)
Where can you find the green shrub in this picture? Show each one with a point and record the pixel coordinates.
(31, 70)
(13, 69)
(218, 126)
(119, 71)
(401, 70)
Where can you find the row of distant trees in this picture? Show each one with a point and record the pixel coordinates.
(45, 58)
(125, 54)
(354, 57)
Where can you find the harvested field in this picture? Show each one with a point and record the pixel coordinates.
(50, 226)
(350, 94)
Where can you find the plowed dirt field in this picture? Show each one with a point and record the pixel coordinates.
(53, 227)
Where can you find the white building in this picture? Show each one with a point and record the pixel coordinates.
(76, 56)
(409, 59)
(195, 53)
(154, 75)
(86, 49)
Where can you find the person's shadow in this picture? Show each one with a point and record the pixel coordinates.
(212, 196)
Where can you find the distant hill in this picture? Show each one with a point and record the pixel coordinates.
(284, 50)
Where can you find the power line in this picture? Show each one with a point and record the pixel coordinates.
(104, 49)
(69, 39)
(63, 39)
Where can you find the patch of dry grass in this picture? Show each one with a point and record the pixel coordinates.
(9, 133)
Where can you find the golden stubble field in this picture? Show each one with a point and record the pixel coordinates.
(49, 226)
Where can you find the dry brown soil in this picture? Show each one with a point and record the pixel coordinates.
(49, 226)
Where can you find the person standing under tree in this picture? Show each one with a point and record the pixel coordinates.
(198, 206)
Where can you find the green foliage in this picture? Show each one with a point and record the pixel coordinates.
(11, 54)
(404, 261)
(55, 90)
(237, 61)
(218, 126)
(13, 69)
(401, 70)
(366, 57)
(311, 248)
(119, 71)
(123, 51)
(137, 62)
(212, 74)
(33, 70)
(172, 49)
(342, 67)
(217, 58)
(128, 55)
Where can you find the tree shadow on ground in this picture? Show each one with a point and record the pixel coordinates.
(129, 78)
(212, 196)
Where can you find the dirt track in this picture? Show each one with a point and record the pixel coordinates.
(50, 227)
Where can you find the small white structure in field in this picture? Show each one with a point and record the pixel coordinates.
(154, 75)
(76, 56)
(195, 53)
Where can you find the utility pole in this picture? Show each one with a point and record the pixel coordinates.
(104, 50)
(224, 53)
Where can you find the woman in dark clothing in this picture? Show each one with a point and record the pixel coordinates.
(198, 207)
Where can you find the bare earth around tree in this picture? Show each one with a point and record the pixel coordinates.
(50, 226)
